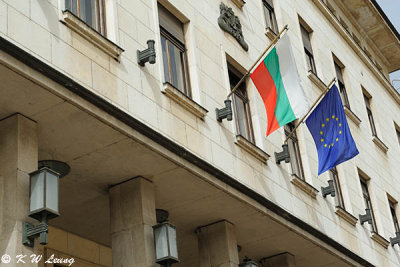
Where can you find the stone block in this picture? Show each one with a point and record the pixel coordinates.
(29, 34)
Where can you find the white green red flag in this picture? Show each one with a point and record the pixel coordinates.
(278, 82)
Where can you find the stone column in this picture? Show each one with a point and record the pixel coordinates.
(133, 214)
(18, 158)
(283, 260)
(217, 245)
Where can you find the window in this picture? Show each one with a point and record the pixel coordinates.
(241, 105)
(342, 88)
(305, 34)
(269, 13)
(370, 116)
(173, 51)
(392, 206)
(398, 134)
(92, 12)
(335, 177)
(294, 151)
(367, 201)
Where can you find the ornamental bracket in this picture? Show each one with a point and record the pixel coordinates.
(283, 155)
(367, 217)
(329, 190)
(147, 55)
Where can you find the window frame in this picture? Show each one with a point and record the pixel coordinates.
(241, 94)
(397, 129)
(272, 16)
(308, 52)
(185, 69)
(100, 15)
(295, 141)
(367, 100)
(367, 201)
(342, 88)
(333, 173)
(392, 207)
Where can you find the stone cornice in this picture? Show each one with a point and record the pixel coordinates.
(303, 185)
(87, 32)
(252, 149)
(359, 51)
(342, 213)
(184, 101)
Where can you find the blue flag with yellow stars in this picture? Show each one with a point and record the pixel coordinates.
(328, 126)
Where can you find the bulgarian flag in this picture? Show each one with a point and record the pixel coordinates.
(278, 82)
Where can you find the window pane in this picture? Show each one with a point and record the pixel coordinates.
(306, 39)
(339, 197)
(343, 95)
(165, 59)
(268, 15)
(398, 135)
(293, 158)
(241, 118)
(179, 70)
(72, 5)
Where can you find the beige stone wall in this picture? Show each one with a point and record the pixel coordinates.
(35, 26)
(85, 253)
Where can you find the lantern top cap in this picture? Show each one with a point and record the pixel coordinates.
(59, 167)
(44, 169)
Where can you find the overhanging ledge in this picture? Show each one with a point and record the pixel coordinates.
(99, 102)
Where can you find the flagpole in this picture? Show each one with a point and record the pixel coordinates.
(273, 43)
(312, 107)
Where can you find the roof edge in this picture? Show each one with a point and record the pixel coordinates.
(387, 20)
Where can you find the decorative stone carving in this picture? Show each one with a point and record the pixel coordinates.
(231, 24)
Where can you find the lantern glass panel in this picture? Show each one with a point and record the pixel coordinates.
(37, 192)
(161, 241)
(51, 192)
(172, 241)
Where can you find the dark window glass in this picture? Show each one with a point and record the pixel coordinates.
(308, 49)
(342, 87)
(90, 11)
(294, 151)
(367, 101)
(173, 51)
(270, 18)
(392, 206)
(241, 105)
(398, 135)
(335, 177)
(367, 201)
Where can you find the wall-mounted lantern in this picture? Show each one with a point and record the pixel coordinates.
(44, 196)
(248, 263)
(165, 240)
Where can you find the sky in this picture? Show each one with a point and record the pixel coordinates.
(392, 10)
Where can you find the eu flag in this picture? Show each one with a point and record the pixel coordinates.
(331, 133)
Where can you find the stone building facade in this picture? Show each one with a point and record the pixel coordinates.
(140, 137)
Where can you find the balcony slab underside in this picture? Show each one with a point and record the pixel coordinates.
(101, 155)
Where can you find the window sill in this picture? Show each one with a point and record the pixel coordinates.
(270, 33)
(380, 240)
(303, 185)
(239, 3)
(380, 144)
(251, 149)
(342, 213)
(352, 116)
(80, 27)
(316, 80)
(186, 102)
